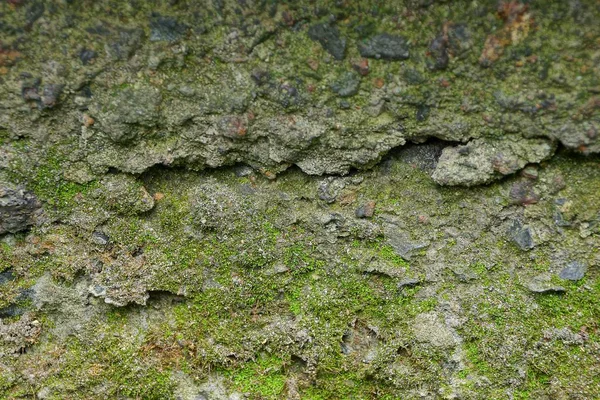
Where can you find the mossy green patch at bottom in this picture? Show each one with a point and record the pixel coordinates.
(111, 365)
(542, 342)
(246, 317)
(262, 379)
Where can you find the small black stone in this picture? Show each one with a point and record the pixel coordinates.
(6, 276)
(522, 193)
(521, 235)
(366, 210)
(100, 238)
(438, 50)
(51, 94)
(30, 89)
(17, 208)
(86, 56)
(329, 37)
(422, 113)
(12, 310)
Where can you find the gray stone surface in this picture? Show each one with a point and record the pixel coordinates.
(329, 199)
(385, 46)
(481, 161)
(521, 236)
(430, 328)
(543, 283)
(329, 37)
(18, 208)
(574, 271)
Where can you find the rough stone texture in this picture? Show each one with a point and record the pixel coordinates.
(429, 328)
(574, 271)
(124, 194)
(17, 336)
(196, 86)
(385, 46)
(330, 39)
(18, 208)
(480, 161)
(121, 118)
(543, 284)
(276, 272)
(321, 200)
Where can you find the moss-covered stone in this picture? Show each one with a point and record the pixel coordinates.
(197, 180)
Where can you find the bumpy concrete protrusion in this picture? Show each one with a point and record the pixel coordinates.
(208, 84)
(481, 161)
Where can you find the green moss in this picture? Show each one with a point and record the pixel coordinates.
(294, 298)
(263, 379)
(112, 365)
(5, 256)
(298, 257)
(388, 253)
(47, 182)
(522, 319)
(476, 360)
(236, 307)
(348, 385)
(559, 310)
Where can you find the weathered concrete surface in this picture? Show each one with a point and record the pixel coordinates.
(326, 87)
(320, 200)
